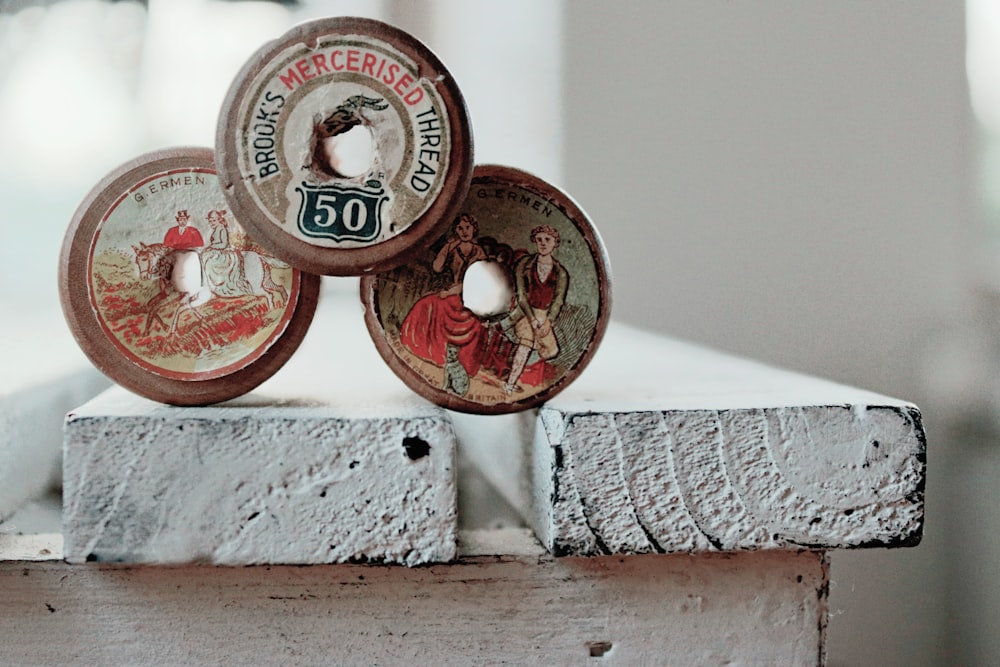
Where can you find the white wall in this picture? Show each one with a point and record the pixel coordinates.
(506, 58)
(790, 181)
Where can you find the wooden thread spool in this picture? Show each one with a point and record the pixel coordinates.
(344, 146)
(512, 355)
(166, 293)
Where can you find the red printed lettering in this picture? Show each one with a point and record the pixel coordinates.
(390, 74)
(319, 62)
(368, 65)
(414, 96)
(289, 78)
(403, 83)
(303, 67)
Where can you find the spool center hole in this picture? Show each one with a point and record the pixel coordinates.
(350, 153)
(487, 289)
(186, 274)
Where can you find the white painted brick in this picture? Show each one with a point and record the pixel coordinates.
(665, 447)
(248, 483)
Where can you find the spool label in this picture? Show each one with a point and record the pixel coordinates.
(236, 299)
(305, 96)
(535, 340)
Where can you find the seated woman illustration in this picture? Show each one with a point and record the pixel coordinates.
(540, 283)
(439, 328)
(222, 264)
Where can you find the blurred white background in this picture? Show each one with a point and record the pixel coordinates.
(808, 184)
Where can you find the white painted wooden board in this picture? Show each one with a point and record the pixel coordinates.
(505, 602)
(257, 483)
(661, 446)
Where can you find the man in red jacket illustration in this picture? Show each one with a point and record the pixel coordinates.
(181, 236)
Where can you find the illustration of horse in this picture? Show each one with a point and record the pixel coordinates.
(157, 261)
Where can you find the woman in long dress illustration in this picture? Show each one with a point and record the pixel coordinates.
(440, 322)
(223, 264)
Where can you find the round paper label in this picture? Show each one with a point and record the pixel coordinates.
(310, 96)
(505, 309)
(177, 285)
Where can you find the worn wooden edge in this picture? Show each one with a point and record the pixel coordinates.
(755, 608)
(43, 547)
(472, 544)
(40, 556)
(355, 261)
(717, 481)
(663, 446)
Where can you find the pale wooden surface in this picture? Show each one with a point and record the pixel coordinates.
(516, 605)
(40, 547)
(662, 446)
